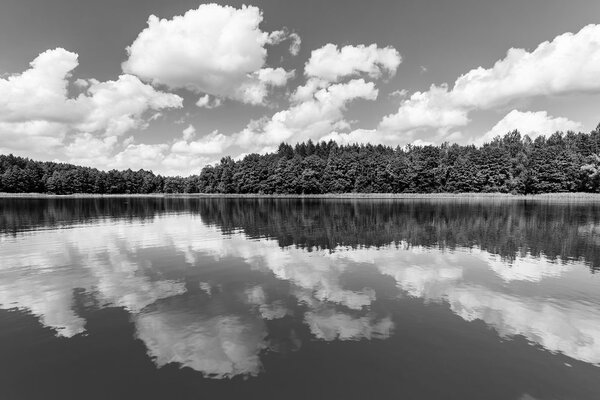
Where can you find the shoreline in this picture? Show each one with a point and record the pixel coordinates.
(391, 196)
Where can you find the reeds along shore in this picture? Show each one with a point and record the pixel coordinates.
(399, 196)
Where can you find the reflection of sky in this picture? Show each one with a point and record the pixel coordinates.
(221, 332)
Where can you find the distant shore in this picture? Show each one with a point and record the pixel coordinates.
(408, 196)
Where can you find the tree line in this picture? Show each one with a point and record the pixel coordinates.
(510, 164)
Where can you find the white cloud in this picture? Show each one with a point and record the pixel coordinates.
(274, 76)
(41, 94)
(331, 64)
(116, 107)
(145, 156)
(189, 132)
(570, 63)
(295, 45)
(311, 118)
(433, 109)
(400, 93)
(31, 137)
(530, 123)
(317, 107)
(213, 143)
(86, 149)
(208, 101)
(280, 36)
(38, 118)
(217, 50)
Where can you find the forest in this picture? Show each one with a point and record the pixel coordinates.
(510, 164)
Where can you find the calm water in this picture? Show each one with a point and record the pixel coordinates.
(298, 299)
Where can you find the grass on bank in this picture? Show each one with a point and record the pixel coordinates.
(470, 196)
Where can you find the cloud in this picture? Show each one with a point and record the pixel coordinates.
(331, 64)
(570, 63)
(280, 36)
(529, 123)
(37, 116)
(41, 94)
(117, 107)
(31, 137)
(274, 76)
(209, 102)
(311, 118)
(189, 132)
(317, 107)
(400, 93)
(86, 149)
(216, 50)
(213, 143)
(431, 109)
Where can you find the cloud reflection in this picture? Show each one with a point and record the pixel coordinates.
(221, 330)
(218, 346)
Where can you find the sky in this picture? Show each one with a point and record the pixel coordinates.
(175, 85)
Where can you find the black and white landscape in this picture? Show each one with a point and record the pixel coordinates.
(300, 199)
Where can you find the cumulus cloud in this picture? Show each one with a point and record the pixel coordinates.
(208, 101)
(280, 36)
(332, 63)
(31, 137)
(570, 63)
(39, 119)
(37, 115)
(116, 107)
(189, 133)
(213, 143)
(216, 50)
(41, 94)
(311, 118)
(529, 123)
(432, 109)
(317, 107)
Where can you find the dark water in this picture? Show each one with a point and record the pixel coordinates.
(298, 299)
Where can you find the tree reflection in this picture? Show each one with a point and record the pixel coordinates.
(219, 287)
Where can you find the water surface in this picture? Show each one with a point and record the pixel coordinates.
(294, 299)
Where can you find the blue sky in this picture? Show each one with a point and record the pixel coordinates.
(174, 85)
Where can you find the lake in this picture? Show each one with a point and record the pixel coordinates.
(189, 298)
